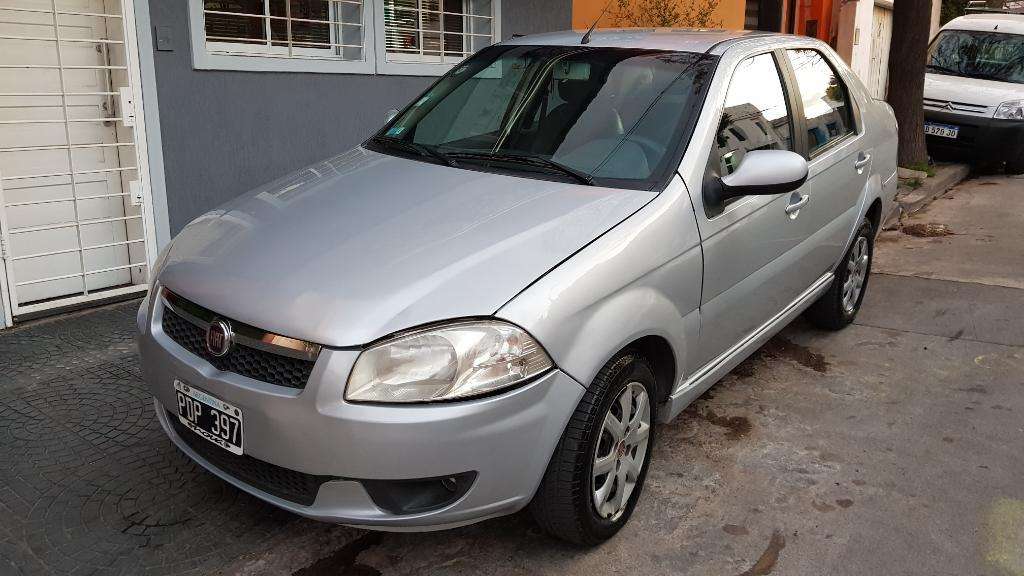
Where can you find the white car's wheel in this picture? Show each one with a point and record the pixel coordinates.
(597, 471)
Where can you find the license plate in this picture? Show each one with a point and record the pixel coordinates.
(209, 417)
(943, 130)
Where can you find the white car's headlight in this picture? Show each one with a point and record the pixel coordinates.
(1012, 110)
(446, 362)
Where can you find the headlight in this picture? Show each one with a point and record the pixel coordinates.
(447, 362)
(1012, 110)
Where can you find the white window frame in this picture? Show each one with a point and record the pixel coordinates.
(413, 64)
(375, 58)
(263, 60)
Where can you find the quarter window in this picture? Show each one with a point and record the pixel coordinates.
(756, 116)
(825, 99)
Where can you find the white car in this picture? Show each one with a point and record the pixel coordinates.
(974, 91)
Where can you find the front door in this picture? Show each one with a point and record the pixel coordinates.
(72, 215)
(753, 245)
(839, 162)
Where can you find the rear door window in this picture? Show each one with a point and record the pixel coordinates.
(826, 101)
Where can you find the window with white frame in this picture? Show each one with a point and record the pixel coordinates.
(436, 31)
(361, 36)
(331, 29)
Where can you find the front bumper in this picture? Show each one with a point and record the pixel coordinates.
(506, 440)
(980, 139)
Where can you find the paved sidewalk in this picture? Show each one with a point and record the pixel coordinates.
(88, 482)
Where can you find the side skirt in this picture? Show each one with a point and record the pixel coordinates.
(689, 389)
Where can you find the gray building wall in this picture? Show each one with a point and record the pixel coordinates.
(225, 132)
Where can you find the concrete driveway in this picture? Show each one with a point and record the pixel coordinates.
(893, 447)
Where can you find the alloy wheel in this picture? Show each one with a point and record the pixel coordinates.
(856, 274)
(621, 451)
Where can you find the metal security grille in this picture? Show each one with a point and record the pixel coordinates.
(73, 220)
(310, 29)
(436, 30)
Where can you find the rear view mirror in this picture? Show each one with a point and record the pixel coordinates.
(763, 172)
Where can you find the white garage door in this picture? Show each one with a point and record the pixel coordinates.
(881, 38)
(73, 214)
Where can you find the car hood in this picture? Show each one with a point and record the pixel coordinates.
(971, 90)
(366, 244)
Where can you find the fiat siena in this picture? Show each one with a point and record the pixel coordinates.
(495, 301)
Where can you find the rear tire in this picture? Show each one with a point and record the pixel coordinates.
(839, 305)
(603, 434)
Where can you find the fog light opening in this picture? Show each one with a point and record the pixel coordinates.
(418, 495)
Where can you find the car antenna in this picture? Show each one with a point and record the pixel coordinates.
(586, 37)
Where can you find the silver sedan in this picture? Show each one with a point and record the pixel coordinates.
(495, 301)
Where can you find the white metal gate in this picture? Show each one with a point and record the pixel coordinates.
(881, 39)
(75, 219)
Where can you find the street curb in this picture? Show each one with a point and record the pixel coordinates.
(912, 201)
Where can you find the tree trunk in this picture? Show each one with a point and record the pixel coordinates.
(907, 53)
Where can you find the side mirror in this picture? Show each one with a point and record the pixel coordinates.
(762, 172)
(390, 115)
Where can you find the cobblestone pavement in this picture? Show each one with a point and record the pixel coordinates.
(89, 484)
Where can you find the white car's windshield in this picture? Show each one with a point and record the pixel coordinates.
(613, 116)
(986, 55)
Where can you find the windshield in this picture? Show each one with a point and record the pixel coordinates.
(986, 55)
(612, 116)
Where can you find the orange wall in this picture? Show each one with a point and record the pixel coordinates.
(729, 14)
(584, 12)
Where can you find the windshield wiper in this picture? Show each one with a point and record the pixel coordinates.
(938, 68)
(984, 76)
(420, 149)
(530, 159)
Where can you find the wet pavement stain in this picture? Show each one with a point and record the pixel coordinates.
(342, 562)
(784, 349)
(780, 348)
(766, 563)
(844, 502)
(737, 426)
(735, 530)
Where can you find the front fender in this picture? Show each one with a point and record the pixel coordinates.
(642, 278)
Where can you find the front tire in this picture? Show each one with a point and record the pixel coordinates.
(597, 471)
(839, 305)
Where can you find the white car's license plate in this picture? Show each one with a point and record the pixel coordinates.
(943, 130)
(209, 417)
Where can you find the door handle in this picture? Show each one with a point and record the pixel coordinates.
(862, 161)
(798, 204)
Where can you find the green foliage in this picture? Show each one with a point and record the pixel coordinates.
(925, 167)
(665, 13)
(951, 9)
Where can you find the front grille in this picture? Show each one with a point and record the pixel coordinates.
(243, 360)
(950, 106)
(284, 483)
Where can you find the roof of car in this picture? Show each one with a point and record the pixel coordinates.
(676, 39)
(988, 22)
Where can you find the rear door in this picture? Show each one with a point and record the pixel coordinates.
(837, 152)
(753, 245)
